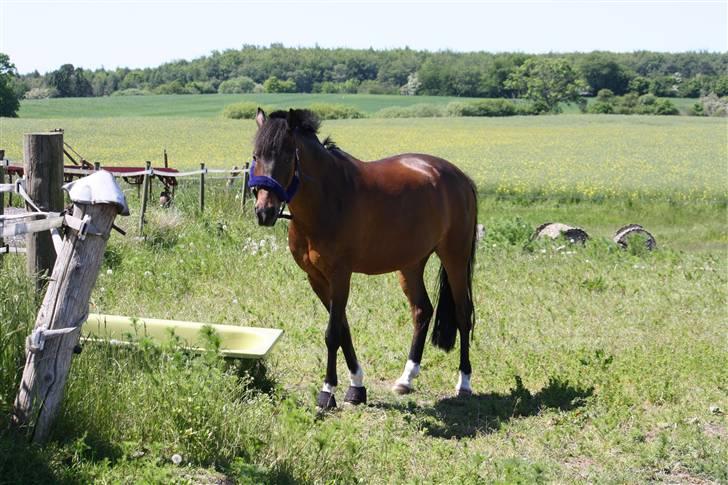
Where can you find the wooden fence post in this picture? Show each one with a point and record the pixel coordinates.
(145, 196)
(65, 306)
(202, 187)
(43, 155)
(2, 194)
(246, 177)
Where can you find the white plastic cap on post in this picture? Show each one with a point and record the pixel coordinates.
(97, 188)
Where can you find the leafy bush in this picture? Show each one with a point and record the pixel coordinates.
(243, 111)
(648, 99)
(630, 103)
(275, 85)
(200, 87)
(236, 85)
(371, 86)
(605, 95)
(350, 86)
(490, 107)
(41, 93)
(665, 107)
(712, 105)
(601, 107)
(422, 110)
(174, 87)
(131, 92)
(327, 111)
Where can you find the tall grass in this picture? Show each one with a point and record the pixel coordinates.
(18, 306)
(591, 363)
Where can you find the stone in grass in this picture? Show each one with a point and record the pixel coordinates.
(554, 230)
(625, 234)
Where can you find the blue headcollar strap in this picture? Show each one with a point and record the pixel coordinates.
(269, 183)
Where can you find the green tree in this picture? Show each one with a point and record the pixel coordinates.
(602, 71)
(275, 85)
(9, 103)
(70, 82)
(546, 81)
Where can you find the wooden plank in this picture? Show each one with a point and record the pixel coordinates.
(235, 341)
(17, 228)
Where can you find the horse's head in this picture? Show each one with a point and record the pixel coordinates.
(274, 171)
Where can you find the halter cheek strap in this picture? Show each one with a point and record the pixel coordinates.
(269, 183)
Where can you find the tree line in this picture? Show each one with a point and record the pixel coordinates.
(276, 69)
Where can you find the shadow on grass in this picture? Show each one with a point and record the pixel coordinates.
(254, 369)
(23, 462)
(461, 417)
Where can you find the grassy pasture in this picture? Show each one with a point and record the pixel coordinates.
(212, 105)
(587, 156)
(591, 364)
(206, 106)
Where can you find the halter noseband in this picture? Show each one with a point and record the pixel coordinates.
(266, 182)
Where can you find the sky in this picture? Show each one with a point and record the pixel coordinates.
(43, 35)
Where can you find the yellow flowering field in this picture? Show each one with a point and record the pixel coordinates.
(581, 155)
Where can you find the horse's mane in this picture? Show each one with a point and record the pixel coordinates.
(305, 121)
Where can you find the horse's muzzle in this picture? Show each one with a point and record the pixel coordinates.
(267, 216)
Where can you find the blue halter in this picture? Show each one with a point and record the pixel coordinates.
(284, 194)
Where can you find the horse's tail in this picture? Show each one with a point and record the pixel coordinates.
(445, 329)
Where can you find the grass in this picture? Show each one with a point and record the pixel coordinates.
(212, 105)
(586, 156)
(591, 364)
(206, 106)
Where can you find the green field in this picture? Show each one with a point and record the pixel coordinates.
(591, 364)
(207, 106)
(212, 105)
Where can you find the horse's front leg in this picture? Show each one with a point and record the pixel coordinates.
(338, 335)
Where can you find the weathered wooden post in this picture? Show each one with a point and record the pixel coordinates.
(202, 187)
(151, 182)
(2, 194)
(145, 197)
(234, 174)
(246, 177)
(43, 155)
(97, 200)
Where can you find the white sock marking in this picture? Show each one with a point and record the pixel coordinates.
(411, 370)
(357, 379)
(328, 388)
(463, 382)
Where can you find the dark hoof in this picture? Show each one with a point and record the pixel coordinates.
(325, 401)
(401, 389)
(356, 395)
(464, 393)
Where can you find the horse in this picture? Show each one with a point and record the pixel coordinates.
(369, 217)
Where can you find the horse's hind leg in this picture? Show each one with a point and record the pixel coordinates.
(413, 285)
(456, 260)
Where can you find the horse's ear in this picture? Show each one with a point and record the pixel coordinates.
(292, 119)
(260, 117)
